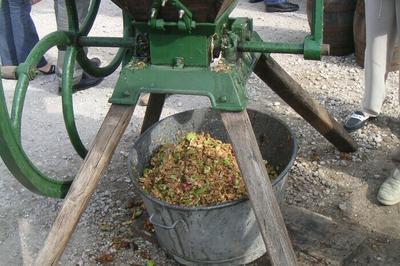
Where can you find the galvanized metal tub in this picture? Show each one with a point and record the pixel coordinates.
(225, 234)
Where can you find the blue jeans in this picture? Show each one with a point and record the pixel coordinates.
(274, 1)
(17, 32)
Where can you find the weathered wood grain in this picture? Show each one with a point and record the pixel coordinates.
(294, 95)
(153, 111)
(84, 184)
(259, 188)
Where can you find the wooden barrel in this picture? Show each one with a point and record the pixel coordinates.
(360, 39)
(338, 24)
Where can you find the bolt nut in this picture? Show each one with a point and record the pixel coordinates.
(153, 12)
(222, 99)
(181, 13)
(126, 93)
(179, 62)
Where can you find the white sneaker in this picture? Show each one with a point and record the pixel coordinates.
(389, 192)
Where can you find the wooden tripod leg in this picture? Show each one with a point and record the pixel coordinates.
(153, 111)
(259, 188)
(294, 95)
(84, 184)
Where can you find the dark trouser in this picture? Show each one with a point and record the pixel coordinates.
(274, 1)
(17, 32)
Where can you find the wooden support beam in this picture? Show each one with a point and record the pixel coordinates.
(259, 188)
(84, 184)
(294, 95)
(153, 111)
(8, 72)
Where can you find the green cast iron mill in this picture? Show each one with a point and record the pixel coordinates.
(190, 47)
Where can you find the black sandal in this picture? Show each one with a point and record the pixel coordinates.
(281, 7)
(51, 71)
(356, 121)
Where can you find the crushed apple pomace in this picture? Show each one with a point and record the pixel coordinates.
(198, 171)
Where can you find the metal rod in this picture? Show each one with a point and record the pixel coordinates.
(67, 103)
(271, 47)
(73, 22)
(90, 17)
(51, 40)
(8, 72)
(18, 163)
(128, 42)
(95, 71)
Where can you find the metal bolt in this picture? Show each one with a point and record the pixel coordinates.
(179, 62)
(181, 13)
(153, 12)
(223, 99)
(163, 2)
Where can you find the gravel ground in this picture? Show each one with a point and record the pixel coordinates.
(341, 186)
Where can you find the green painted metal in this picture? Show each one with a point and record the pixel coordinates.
(166, 47)
(90, 68)
(67, 104)
(172, 27)
(11, 151)
(90, 17)
(51, 40)
(312, 47)
(127, 42)
(313, 43)
(224, 85)
(270, 47)
(73, 21)
(177, 62)
(185, 23)
(18, 163)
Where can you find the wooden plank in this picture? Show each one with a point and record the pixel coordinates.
(84, 184)
(153, 111)
(8, 72)
(259, 188)
(294, 95)
(224, 6)
(320, 238)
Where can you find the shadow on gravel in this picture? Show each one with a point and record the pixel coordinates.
(390, 122)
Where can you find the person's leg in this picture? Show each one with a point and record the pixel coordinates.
(389, 192)
(82, 7)
(8, 55)
(381, 34)
(24, 31)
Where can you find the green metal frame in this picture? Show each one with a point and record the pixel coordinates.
(185, 71)
(225, 88)
(11, 150)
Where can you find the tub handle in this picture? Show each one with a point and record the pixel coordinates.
(168, 227)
